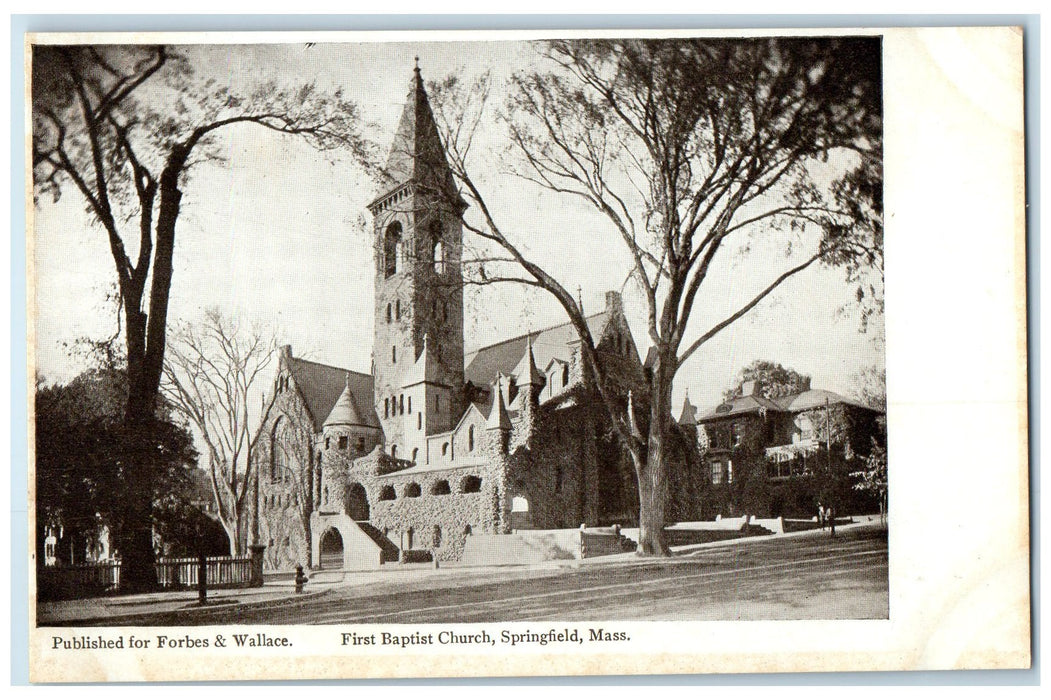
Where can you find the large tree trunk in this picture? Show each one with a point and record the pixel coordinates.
(138, 572)
(653, 475)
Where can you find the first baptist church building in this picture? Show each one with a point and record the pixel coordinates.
(437, 443)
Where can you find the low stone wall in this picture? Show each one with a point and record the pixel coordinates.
(531, 547)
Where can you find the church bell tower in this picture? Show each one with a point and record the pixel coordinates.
(418, 235)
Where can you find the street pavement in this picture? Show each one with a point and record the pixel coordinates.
(801, 576)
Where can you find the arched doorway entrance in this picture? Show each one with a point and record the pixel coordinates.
(520, 516)
(331, 549)
(356, 502)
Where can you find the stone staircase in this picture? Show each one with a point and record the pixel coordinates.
(390, 550)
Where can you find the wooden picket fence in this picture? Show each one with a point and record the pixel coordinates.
(86, 580)
(221, 571)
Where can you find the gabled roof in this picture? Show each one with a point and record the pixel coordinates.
(483, 365)
(321, 386)
(425, 369)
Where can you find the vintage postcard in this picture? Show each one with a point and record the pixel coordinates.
(493, 354)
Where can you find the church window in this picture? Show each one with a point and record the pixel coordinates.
(410, 405)
(436, 403)
(415, 453)
(412, 490)
(401, 405)
(394, 354)
(386, 411)
(387, 493)
(328, 443)
(361, 444)
(470, 438)
(397, 310)
(436, 539)
(278, 462)
(565, 375)
(388, 313)
(440, 488)
(394, 451)
(439, 258)
(391, 248)
(319, 457)
(419, 421)
(324, 500)
(343, 442)
(470, 484)
(445, 449)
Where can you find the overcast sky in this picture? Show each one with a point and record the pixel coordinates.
(279, 234)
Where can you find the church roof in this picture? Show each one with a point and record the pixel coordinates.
(484, 364)
(345, 412)
(417, 152)
(498, 418)
(322, 385)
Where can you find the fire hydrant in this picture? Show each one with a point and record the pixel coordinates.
(301, 578)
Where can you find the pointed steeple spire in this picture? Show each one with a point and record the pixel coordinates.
(417, 152)
(535, 377)
(689, 411)
(498, 418)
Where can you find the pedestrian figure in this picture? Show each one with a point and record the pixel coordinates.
(821, 516)
(830, 515)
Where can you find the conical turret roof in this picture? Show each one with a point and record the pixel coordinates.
(689, 412)
(498, 418)
(345, 412)
(527, 373)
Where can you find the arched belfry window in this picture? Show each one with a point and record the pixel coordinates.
(391, 248)
(437, 249)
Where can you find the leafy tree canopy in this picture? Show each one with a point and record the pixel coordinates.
(772, 381)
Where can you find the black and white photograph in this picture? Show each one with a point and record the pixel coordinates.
(454, 346)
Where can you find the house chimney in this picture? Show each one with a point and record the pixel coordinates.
(749, 388)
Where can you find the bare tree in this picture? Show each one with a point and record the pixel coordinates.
(122, 126)
(211, 371)
(692, 150)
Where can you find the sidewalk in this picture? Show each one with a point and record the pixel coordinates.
(64, 612)
(279, 587)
